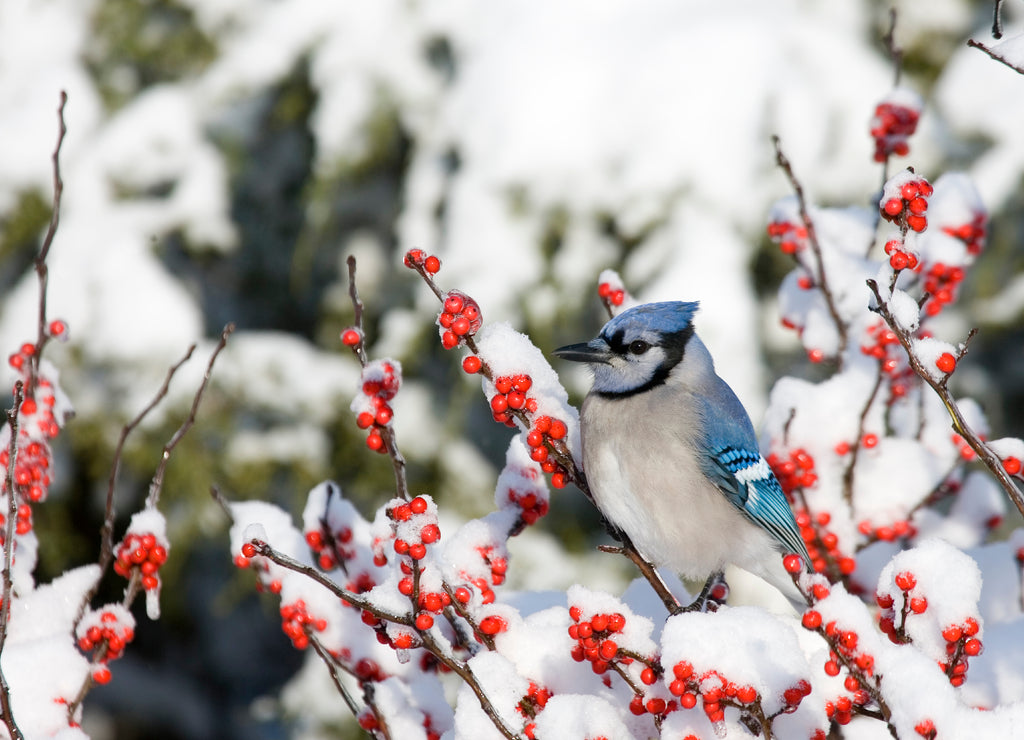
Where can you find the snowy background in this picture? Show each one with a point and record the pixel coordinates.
(224, 157)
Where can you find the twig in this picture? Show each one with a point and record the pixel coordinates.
(855, 447)
(995, 55)
(821, 279)
(332, 667)
(42, 271)
(997, 20)
(158, 477)
(960, 426)
(387, 433)
(895, 52)
(6, 712)
(107, 531)
(457, 667)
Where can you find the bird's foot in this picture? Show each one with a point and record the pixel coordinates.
(712, 596)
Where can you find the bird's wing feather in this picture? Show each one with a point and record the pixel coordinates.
(733, 463)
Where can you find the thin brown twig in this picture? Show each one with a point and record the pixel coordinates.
(959, 423)
(42, 271)
(387, 433)
(6, 711)
(107, 531)
(895, 52)
(820, 279)
(995, 55)
(851, 464)
(158, 478)
(458, 667)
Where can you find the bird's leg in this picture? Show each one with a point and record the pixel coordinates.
(700, 604)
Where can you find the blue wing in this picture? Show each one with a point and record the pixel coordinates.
(734, 464)
(747, 481)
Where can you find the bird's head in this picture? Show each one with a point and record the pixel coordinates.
(637, 349)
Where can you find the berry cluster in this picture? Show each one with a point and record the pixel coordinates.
(961, 643)
(845, 649)
(823, 544)
(415, 526)
(418, 258)
(612, 295)
(891, 532)
(895, 120)
(379, 382)
(146, 552)
(498, 566)
(883, 345)
(510, 396)
(914, 602)
(594, 639)
(715, 691)
(791, 237)
(460, 319)
(330, 548)
(105, 633)
(542, 434)
(905, 201)
(972, 234)
(296, 622)
(901, 258)
(32, 470)
(531, 705)
(796, 471)
(940, 283)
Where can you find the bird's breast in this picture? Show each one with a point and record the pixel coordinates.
(641, 460)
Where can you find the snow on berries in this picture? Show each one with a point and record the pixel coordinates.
(785, 226)
(459, 318)
(894, 121)
(613, 294)
(938, 358)
(103, 634)
(143, 551)
(414, 524)
(734, 658)
(521, 484)
(904, 200)
(378, 383)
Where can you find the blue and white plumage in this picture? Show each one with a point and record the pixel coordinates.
(670, 454)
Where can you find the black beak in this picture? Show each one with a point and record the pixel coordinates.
(593, 352)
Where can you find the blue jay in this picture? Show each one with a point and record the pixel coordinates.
(670, 454)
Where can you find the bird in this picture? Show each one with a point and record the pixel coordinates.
(670, 454)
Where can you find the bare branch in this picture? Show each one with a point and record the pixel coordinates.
(158, 477)
(895, 52)
(992, 52)
(40, 262)
(960, 426)
(997, 20)
(820, 279)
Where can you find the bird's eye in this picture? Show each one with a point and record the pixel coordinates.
(639, 347)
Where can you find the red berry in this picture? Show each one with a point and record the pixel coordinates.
(918, 604)
(793, 563)
(946, 363)
(1011, 465)
(101, 675)
(432, 264)
(424, 621)
(972, 647)
(917, 223)
(811, 619)
(492, 625)
(893, 206)
(249, 550)
(648, 676)
(471, 364)
(350, 337)
(905, 581)
(925, 728)
(418, 505)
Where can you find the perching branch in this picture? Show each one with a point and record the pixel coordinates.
(960, 426)
(820, 278)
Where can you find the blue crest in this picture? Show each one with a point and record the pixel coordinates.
(667, 317)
